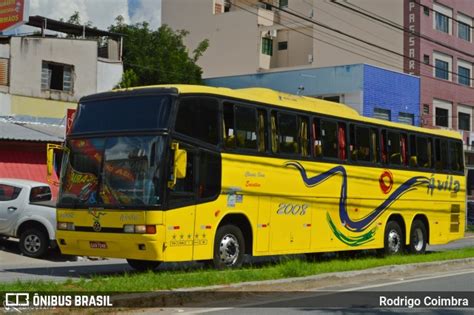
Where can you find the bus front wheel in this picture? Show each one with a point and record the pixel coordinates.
(143, 265)
(418, 238)
(229, 247)
(394, 240)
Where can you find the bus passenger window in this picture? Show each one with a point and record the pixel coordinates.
(404, 149)
(198, 118)
(413, 152)
(246, 127)
(317, 146)
(393, 148)
(287, 127)
(424, 152)
(456, 155)
(441, 157)
(274, 132)
(209, 174)
(303, 136)
(361, 145)
(341, 135)
(383, 147)
(329, 138)
(229, 130)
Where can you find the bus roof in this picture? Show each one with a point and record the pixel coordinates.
(310, 104)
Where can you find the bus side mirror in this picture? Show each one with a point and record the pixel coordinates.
(179, 164)
(50, 163)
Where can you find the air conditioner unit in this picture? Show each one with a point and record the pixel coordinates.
(273, 33)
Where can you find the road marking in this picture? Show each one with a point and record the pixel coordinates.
(218, 309)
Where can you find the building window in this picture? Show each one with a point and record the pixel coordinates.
(464, 121)
(464, 76)
(442, 22)
(283, 3)
(426, 10)
(441, 69)
(464, 31)
(267, 46)
(381, 113)
(282, 45)
(426, 109)
(406, 118)
(426, 59)
(55, 76)
(442, 117)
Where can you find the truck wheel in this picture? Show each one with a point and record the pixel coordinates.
(229, 247)
(394, 241)
(33, 242)
(418, 238)
(143, 265)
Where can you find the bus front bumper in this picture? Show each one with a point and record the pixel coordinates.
(111, 245)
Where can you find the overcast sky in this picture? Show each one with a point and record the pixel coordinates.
(101, 13)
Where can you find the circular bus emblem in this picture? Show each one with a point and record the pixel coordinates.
(96, 227)
(386, 182)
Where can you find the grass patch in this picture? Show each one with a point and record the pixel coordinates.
(163, 280)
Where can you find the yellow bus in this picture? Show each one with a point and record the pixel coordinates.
(194, 173)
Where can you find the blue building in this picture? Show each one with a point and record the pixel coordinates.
(372, 91)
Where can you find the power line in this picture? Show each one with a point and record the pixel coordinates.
(358, 39)
(372, 16)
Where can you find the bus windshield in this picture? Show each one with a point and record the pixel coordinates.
(121, 171)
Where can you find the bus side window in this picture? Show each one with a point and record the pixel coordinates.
(229, 129)
(184, 190)
(361, 146)
(210, 170)
(316, 134)
(329, 138)
(303, 135)
(456, 155)
(404, 149)
(393, 148)
(441, 154)
(384, 146)
(424, 152)
(262, 130)
(287, 129)
(198, 118)
(246, 127)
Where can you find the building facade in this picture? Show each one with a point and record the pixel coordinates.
(371, 91)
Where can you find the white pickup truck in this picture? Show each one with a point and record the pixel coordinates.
(28, 213)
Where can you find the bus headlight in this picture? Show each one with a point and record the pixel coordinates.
(68, 226)
(139, 229)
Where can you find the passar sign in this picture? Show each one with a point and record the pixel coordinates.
(13, 13)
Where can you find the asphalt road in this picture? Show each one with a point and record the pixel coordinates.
(14, 266)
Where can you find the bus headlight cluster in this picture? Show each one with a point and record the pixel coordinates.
(139, 229)
(68, 226)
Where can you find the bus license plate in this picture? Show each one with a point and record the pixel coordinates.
(100, 245)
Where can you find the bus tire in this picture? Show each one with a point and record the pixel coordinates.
(143, 265)
(418, 238)
(229, 247)
(393, 239)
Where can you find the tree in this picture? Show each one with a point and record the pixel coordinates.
(157, 56)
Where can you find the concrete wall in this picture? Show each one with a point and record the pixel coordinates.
(5, 104)
(234, 37)
(391, 90)
(109, 74)
(27, 54)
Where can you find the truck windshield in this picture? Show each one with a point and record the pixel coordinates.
(117, 172)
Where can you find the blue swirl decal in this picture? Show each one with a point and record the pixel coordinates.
(364, 223)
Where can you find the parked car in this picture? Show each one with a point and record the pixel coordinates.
(27, 212)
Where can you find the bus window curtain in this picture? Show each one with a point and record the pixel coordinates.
(304, 137)
(261, 132)
(274, 134)
(403, 148)
(342, 141)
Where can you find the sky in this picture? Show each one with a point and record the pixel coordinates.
(101, 13)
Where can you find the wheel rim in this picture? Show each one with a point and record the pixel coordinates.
(32, 243)
(418, 240)
(394, 241)
(229, 249)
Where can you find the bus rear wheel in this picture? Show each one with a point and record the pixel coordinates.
(394, 240)
(229, 247)
(143, 265)
(418, 238)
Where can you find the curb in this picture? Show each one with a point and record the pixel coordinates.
(179, 297)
